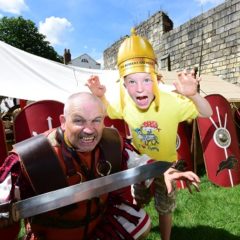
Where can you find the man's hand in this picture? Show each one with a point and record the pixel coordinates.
(141, 194)
(95, 86)
(190, 178)
(187, 83)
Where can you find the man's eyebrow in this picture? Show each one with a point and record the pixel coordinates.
(85, 119)
(99, 117)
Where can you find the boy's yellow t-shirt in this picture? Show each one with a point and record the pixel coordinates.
(154, 131)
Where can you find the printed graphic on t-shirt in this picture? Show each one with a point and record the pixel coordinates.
(147, 133)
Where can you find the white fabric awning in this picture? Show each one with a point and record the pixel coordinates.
(26, 76)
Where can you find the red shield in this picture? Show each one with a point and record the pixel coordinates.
(120, 125)
(184, 150)
(220, 144)
(36, 118)
(3, 149)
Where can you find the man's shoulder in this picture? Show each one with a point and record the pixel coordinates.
(51, 136)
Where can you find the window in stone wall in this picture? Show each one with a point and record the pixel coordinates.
(165, 63)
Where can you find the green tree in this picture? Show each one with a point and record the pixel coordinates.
(23, 34)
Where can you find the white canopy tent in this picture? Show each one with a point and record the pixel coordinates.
(26, 76)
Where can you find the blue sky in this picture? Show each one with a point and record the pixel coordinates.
(91, 26)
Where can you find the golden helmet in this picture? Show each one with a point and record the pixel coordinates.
(136, 54)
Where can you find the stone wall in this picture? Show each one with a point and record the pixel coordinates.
(210, 40)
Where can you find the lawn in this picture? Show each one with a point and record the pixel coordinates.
(211, 214)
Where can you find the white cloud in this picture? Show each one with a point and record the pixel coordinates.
(13, 6)
(55, 29)
(215, 2)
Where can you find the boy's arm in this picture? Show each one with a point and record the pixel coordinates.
(202, 105)
(187, 85)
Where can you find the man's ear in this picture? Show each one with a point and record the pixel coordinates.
(62, 120)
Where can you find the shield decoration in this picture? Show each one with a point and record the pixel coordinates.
(219, 143)
(183, 146)
(36, 118)
(120, 125)
(3, 144)
(237, 120)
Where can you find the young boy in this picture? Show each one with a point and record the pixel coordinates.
(153, 115)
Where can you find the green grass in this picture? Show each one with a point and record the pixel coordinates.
(211, 214)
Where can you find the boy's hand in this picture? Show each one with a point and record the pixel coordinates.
(187, 83)
(190, 177)
(95, 86)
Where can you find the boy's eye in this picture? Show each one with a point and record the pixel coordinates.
(131, 81)
(147, 80)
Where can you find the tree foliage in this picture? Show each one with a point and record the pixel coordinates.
(23, 34)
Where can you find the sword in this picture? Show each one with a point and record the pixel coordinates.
(76, 193)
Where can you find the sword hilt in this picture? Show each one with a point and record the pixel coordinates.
(14, 213)
(6, 214)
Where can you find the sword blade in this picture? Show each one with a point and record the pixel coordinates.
(94, 188)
